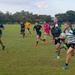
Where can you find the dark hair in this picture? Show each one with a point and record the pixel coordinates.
(67, 22)
(36, 22)
(53, 24)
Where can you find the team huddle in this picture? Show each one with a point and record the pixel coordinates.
(58, 36)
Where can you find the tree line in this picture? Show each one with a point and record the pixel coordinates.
(27, 16)
(68, 16)
(22, 16)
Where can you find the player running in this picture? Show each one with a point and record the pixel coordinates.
(38, 28)
(70, 33)
(56, 31)
(27, 25)
(22, 29)
(46, 30)
(1, 28)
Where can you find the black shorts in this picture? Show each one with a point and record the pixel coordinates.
(22, 31)
(58, 41)
(39, 34)
(62, 39)
(71, 45)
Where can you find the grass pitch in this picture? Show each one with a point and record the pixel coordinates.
(21, 57)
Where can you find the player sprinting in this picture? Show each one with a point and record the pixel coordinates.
(56, 31)
(38, 28)
(22, 29)
(28, 25)
(1, 28)
(70, 33)
(46, 30)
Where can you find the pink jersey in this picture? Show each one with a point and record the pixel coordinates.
(46, 28)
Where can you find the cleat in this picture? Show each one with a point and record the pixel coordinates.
(65, 47)
(35, 44)
(3, 47)
(44, 41)
(65, 67)
(58, 57)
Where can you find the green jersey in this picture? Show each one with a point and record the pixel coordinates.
(56, 32)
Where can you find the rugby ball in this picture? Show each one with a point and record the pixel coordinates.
(62, 35)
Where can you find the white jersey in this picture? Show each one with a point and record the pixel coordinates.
(70, 35)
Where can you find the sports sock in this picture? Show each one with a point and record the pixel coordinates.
(37, 42)
(58, 54)
(66, 64)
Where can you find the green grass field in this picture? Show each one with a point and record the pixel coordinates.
(21, 57)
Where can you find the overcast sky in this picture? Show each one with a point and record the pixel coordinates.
(49, 7)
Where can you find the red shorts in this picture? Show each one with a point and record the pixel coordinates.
(47, 31)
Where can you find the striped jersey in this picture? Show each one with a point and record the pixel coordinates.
(70, 34)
